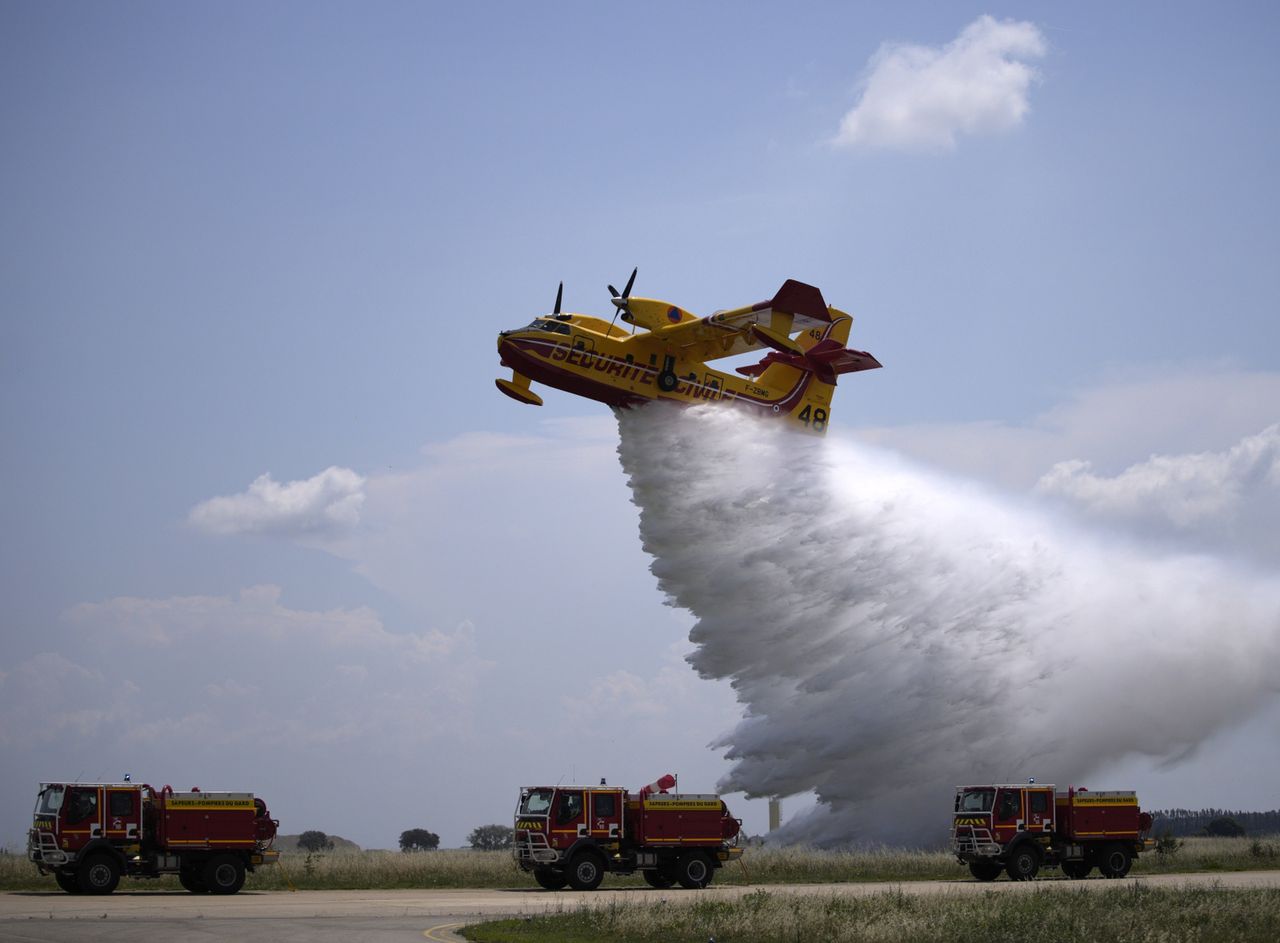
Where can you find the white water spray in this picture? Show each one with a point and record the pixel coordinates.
(892, 632)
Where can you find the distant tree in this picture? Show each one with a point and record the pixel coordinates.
(1166, 843)
(490, 837)
(314, 841)
(419, 839)
(1224, 827)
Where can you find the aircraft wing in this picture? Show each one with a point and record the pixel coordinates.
(795, 307)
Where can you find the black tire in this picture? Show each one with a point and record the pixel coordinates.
(549, 879)
(223, 874)
(192, 881)
(985, 870)
(658, 879)
(586, 871)
(98, 874)
(694, 870)
(1114, 862)
(1023, 863)
(68, 881)
(1076, 870)
(667, 381)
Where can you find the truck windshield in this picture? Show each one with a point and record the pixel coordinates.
(976, 800)
(536, 802)
(49, 800)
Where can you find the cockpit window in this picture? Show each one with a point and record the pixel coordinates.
(543, 324)
(977, 800)
(536, 802)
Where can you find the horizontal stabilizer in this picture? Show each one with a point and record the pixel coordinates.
(826, 360)
(840, 359)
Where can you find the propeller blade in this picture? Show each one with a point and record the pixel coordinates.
(626, 292)
(613, 291)
(559, 293)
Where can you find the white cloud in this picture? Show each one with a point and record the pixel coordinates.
(325, 504)
(249, 670)
(918, 98)
(1186, 490)
(1211, 487)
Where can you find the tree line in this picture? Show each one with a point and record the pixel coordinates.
(1182, 822)
(482, 838)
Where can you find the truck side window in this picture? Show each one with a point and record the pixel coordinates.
(82, 804)
(570, 806)
(606, 805)
(1010, 804)
(121, 804)
(1039, 802)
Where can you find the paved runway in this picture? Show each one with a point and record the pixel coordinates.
(412, 915)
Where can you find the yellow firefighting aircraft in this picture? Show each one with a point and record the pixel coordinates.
(668, 359)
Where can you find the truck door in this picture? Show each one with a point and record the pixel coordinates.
(124, 814)
(606, 814)
(1040, 810)
(569, 819)
(82, 817)
(1007, 816)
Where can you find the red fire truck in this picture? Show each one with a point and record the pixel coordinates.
(89, 834)
(574, 834)
(1019, 828)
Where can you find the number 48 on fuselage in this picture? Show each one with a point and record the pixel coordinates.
(668, 357)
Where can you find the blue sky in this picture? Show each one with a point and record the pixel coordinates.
(243, 239)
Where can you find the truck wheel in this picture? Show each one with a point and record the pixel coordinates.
(586, 871)
(694, 870)
(99, 874)
(1076, 869)
(1023, 864)
(224, 874)
(549, 879)
(1115, 861)
(191, 880)
(984, 870)
(67, 881)
(657, 879)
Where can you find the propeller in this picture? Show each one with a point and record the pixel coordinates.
(620, 300)
(559, 295)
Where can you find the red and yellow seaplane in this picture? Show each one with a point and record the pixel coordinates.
(667, 359)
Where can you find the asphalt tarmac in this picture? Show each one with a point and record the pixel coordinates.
(385, 916)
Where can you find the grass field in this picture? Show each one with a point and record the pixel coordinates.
(459, 869)
(1126, 914)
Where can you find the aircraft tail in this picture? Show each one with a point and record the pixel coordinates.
(807, 380)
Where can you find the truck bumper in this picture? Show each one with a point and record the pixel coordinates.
(43, 850)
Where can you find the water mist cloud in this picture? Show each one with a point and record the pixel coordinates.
(891, 632)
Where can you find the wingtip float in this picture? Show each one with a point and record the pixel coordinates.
(668, 357)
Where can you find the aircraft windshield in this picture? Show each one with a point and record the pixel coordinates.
(49, 800)
(542, 324)
(536, 802)
(976, 800)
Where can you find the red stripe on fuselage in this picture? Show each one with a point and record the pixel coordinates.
(539, 360)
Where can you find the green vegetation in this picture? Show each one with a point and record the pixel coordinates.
(1182, 822)
(1129, 913)
(490, 837)
(372, 870)
(419, 839)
